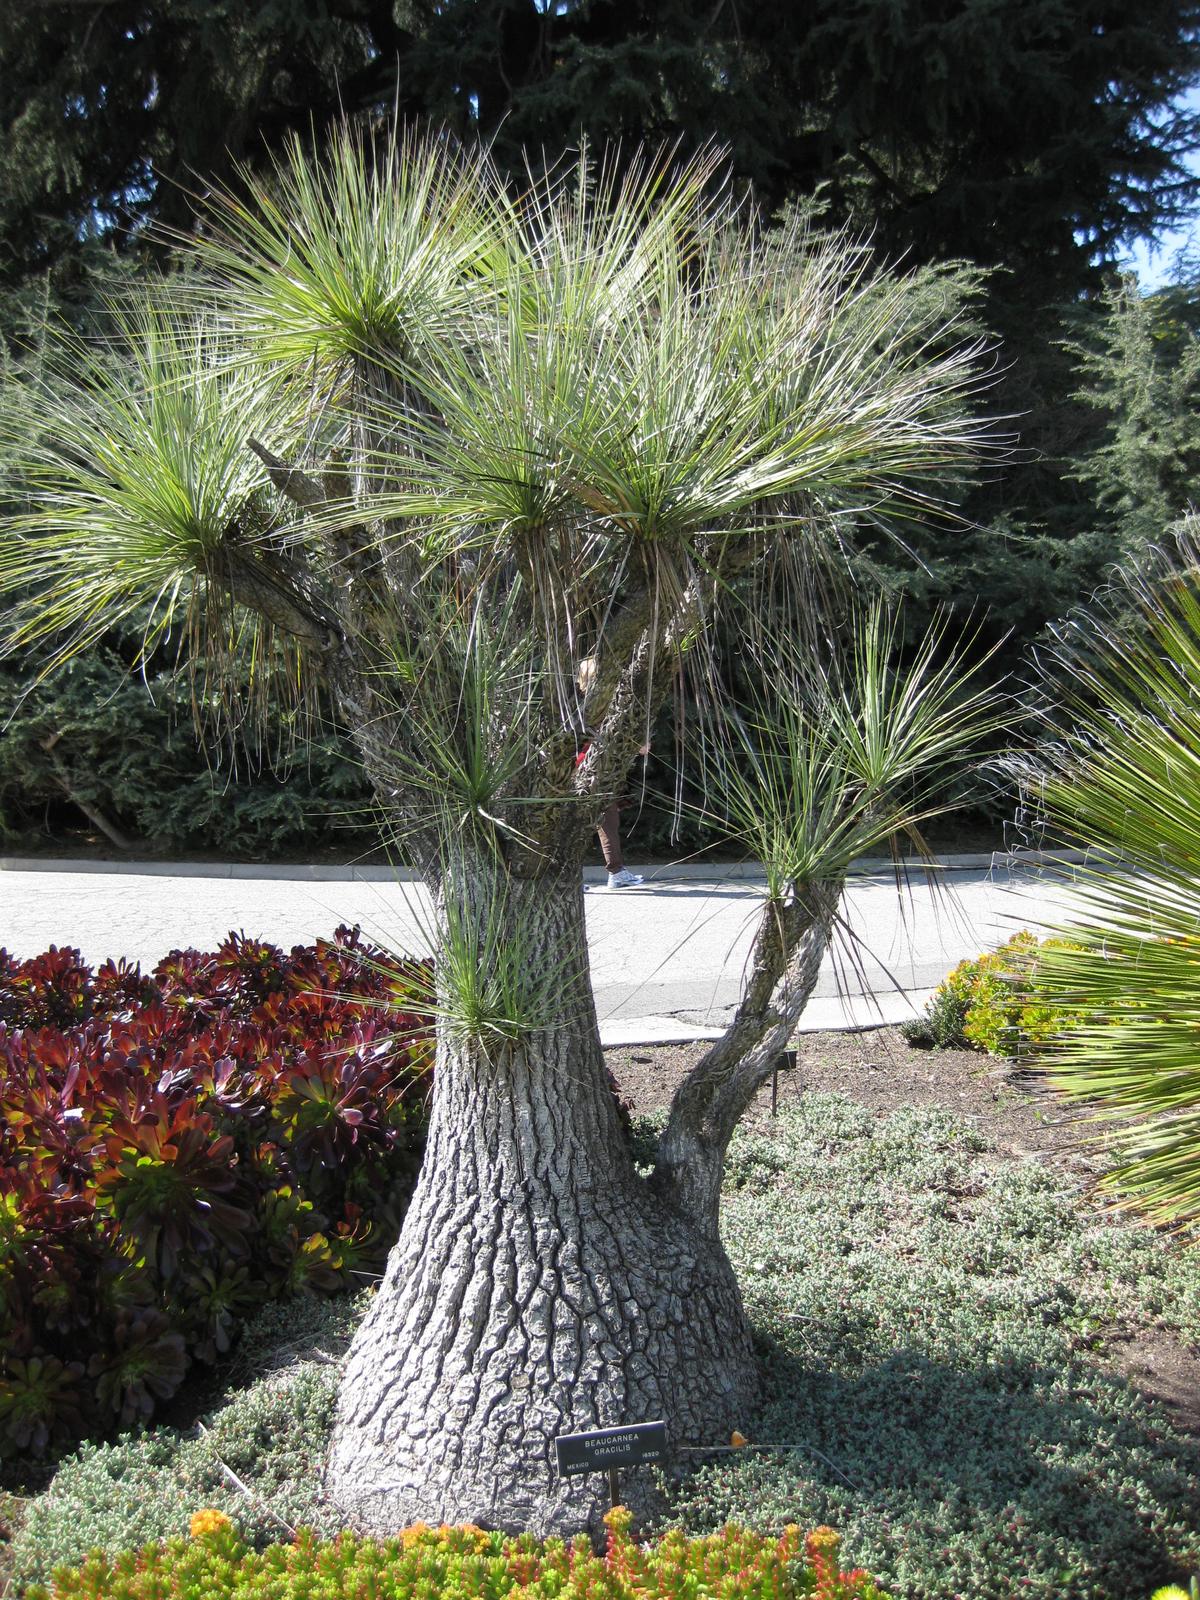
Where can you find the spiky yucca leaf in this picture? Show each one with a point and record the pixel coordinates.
(1124, 784)
(145, 505)
(829, 760)
(472, 704)
(675, 400)
(495, 986)
(137, 475)
(369, 254)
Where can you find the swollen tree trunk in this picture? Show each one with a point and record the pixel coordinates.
(538, 1286)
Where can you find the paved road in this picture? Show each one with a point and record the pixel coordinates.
(666, 958)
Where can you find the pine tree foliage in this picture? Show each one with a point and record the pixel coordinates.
(1011, 132)
(1141, 372)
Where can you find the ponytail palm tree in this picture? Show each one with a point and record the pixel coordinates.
(447, 442)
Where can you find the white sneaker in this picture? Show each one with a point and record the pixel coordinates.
(624, 879)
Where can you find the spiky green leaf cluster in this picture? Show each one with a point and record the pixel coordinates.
(1124, 785)
(830, 758)
(544, 401)
(138, 472)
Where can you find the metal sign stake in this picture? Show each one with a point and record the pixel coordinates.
(605, 1449)
(787, 1060)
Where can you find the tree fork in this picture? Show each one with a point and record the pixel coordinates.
(784, 965)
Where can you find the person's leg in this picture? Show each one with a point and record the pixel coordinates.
(609, 831)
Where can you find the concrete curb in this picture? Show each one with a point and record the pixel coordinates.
(667, 872)
(856, 1013)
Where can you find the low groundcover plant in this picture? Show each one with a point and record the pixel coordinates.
(733, 1564)
(937, 1322)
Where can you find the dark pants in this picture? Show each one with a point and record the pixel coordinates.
(609, 831)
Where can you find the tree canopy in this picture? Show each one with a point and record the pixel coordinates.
(1006, 146)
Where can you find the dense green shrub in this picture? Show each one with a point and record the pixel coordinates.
(467, 1562)
(993, 1003)
(176, 1149)
(105, 746)
(943, 1022)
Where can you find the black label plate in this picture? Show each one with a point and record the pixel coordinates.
(633, 1446)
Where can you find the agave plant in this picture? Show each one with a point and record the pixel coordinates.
(146, 1361)
(165, 1177)
(448, 439)
(1123, 784)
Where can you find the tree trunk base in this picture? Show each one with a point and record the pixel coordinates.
(538, 1288)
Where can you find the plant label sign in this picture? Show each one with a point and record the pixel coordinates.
(608, 1448)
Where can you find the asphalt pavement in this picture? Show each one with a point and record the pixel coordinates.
(667, 958)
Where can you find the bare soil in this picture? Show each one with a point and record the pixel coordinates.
(1014, 1112)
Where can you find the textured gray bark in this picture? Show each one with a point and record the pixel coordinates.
(539, 1287)
(783, 968)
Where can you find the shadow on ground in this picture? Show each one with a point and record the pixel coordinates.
(976, 1481)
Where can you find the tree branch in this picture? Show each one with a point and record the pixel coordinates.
(280, 590)
(627, 696)
(884, 178)
(348, 544)
(285, 592)
(92, 812)
(784, 963)
(293, 484)
(632, 682)
(635, 662)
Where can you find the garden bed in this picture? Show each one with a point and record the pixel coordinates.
(945, 1321)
